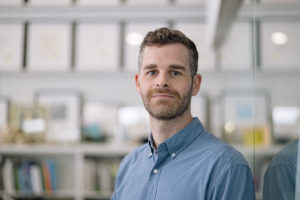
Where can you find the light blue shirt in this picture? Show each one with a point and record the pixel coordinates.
(191, 165)
(280, 177)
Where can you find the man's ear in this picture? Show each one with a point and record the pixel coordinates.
(196, 84)
(137, 83)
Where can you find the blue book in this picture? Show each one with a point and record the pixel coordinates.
(26, 175)
(21, 179)
(52, 168)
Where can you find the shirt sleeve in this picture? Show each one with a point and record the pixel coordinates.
(236, 184)
(279, 183)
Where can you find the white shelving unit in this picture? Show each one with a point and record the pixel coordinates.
(70, 161)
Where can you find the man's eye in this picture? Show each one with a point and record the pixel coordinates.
(175, 73)
(152, 73)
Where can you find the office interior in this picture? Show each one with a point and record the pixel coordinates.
(69, 109)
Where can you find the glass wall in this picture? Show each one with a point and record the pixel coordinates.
(277, 49)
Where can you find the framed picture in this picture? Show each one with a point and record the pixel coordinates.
(11, 48)
(4, 113)
(280, 48)
(28, 123)
(133, 124)
(190, 2)
(49, 2)
(147, 2)
(11, 3)
(199, 108)
(100, 121)
(64, 114)
(285, 123)
(196, 31)
(97, 47)
(134, 35)
(235, 53)
(49, 47)
(279, 1)
(245, 116)
(97, 2)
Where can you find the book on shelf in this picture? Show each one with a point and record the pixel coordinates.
(36, 179)
(29, 176)
(100, 174)
(8, 174)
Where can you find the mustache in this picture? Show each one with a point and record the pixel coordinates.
(164, 91)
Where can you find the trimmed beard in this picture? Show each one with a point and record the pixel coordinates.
(174, 110)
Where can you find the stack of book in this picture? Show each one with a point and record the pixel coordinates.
(29, 177)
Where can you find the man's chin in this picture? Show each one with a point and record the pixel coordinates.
(163, 114)
(162, 117)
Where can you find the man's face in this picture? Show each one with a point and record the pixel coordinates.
(165, 82)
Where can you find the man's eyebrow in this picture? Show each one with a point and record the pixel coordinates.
(151, 66)
(178, 67)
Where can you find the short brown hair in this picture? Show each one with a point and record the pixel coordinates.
(163, 36)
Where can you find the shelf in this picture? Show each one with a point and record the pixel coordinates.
(107, 149)
(37, 149)
(108, 13)
(261, 151)
(65, 194)
(121, 13)
(98, 195)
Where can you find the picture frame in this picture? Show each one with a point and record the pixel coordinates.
(11, 48)
(4, 113)
(190, 2)
(285, 121)
(279, 2)
(98, 3)
(99, 121)
(133, 123)
(28, 123)
(64, 108)
(11, 2)
(49, 2)
(49, 47)
(246, 116)
(97, 47)
(147, 2)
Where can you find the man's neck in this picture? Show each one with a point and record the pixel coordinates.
(163, 129)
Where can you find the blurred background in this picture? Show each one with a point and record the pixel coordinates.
(69, 110)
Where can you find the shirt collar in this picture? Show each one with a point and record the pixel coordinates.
(180, 140)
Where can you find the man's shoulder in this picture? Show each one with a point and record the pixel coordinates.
(286, 157)
(219, 150)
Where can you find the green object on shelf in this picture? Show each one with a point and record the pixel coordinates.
(93, 132)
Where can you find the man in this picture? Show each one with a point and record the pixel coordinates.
(280, 177)
(181, 161)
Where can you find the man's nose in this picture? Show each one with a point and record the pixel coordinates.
(162, 80)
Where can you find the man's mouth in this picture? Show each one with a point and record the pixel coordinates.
(163, 95)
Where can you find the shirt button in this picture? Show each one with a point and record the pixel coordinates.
(173, 155)
(155, 171)
(150, 154)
